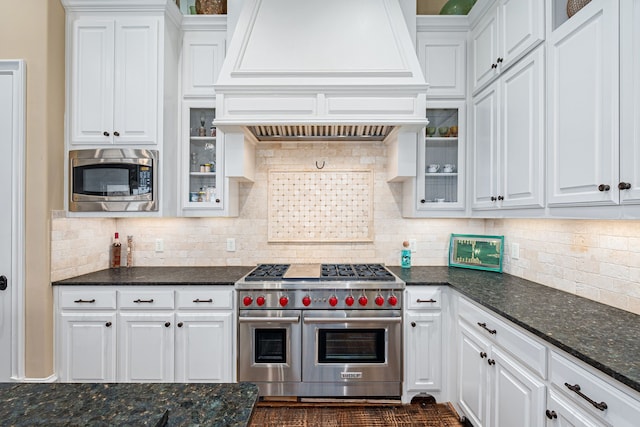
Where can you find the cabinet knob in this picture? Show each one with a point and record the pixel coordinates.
(116, 133)
(217, 200)
(423, 201)
(494, 66)
(483, 355)
(500, 197)
(499, 60)
(108, 324)
(493, 198)
(604, 187)
(180, 324)
(491, 361)
(105, 133)
(551, 414)
(167, 324)
(413, 324)
(624, 186)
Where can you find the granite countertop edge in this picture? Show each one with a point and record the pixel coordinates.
(576, 325)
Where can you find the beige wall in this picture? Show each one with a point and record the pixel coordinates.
(34, 30)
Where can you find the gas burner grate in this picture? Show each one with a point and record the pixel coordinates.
(355, 271)
(267, 272)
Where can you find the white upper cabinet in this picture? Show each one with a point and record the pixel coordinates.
(502, 36)
(629, 184)
(115, 71)
(583, 108)
(507, 130)
(202, 54)
(442, 51)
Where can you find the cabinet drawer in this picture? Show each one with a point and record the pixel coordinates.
(203, 299)
(532, 353)
(621, 410)
(424, 298)
(145, 299)
(83, 299)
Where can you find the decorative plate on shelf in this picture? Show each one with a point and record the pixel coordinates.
(476, 251)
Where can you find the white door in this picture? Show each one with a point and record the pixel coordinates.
(484, 134)
(472, 375)
(424, 351)
(12, 87)
(484, 51)
(145, 347)
(203, 347)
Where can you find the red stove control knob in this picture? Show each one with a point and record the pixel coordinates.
(333, 301)
(284, 301)
(349, 300)
(247, 300)
(306, 300)
(379, 300)
(363, 300)
(393, 300)
(260, 301)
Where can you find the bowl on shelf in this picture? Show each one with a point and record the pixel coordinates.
(431, 131)
(443, 131)
(453, 131)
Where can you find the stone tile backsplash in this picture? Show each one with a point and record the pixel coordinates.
(599, 260)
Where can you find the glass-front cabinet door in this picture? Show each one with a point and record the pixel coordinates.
(202, 160)
(441, 166)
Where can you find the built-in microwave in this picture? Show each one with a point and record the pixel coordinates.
(113, 180)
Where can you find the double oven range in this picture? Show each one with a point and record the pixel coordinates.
(321, 330)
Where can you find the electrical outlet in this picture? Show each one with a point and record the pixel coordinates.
(159, 245)
(231, 244)
(413, 245)
(515, 251)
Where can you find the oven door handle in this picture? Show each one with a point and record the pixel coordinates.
(292, 319)
(352, 319)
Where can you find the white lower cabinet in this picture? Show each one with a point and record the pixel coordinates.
(143, 334)
(423, 342)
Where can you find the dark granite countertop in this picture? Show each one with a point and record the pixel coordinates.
(126, 404)
(216, 276)
(604, 337)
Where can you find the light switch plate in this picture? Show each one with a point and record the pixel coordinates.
(515, 251)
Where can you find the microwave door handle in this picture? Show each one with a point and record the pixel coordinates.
(352, 319)
(292, 319)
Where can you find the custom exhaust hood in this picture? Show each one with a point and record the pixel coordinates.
(321, 70)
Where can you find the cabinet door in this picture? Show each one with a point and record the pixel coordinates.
(91, 79)
(204, 347)
(136, 108)
(518, 398)
(202, 56)
(472, 375)
(87, 347)
(145, 347)
(561, 412)
(630, 101)
(424, 351)
(443, 59)
(522, 133)
(483, 48)
(583, 108)
(521, 24)
(484, 134)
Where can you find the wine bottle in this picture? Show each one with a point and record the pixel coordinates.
(116, 251)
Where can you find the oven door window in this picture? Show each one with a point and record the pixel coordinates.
(351, 345)
(113, 180)
(270, 346)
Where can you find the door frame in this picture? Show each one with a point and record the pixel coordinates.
(18, 69)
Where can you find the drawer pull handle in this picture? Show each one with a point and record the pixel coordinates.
(551, 414)
(197, 300)
(430, 300)
(139, 301)
(576, 389)
(85, 301)
(484, 326)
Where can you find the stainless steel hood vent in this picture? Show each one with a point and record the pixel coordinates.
(320, 132)
(320, 70)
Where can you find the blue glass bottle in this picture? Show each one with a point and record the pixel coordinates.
(405, 255)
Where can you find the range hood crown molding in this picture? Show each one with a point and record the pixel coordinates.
(321, 63)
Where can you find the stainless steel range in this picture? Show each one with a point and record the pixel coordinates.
(321, 330)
